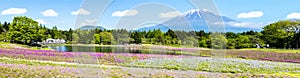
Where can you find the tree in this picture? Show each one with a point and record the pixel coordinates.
(276, 35)
(190, 41)
(137, 37)
(75, 38)
(150, 36)
(243, 42)
(5, 26)
(232, 44)
(218, 41)
(121, 36)
(230, 35)
(170, 37)
(170, 33)
(105, 38)
(23, 30)
(204, 42)
(40, 35)
(55, 33)
(97, 39)
(2, 33)
(201, 33)
(69, 35)
(1, 28)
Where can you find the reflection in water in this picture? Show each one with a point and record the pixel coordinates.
(95, 49)
(107, 49)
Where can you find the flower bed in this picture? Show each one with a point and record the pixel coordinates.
(255, 55)
(34, 68)
(22, 70)
(221, 65)
(237, 67)
(83, 57)
(270, 56)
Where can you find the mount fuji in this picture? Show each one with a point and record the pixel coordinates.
(194, 20)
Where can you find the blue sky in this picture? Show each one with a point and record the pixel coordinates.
(59, 12)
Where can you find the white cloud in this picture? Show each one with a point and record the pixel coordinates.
(242, 24)
(125, 13)
(41, 21)
(293, 15)
(246, 24)
(81, 11)
(14, 11)
(49, 13)
(170, 14)
(252, 14)
(89, 22)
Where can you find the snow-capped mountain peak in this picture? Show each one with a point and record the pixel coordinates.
(195, 19)
(197, 11)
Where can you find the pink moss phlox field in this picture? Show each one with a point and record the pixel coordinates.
(50, 55)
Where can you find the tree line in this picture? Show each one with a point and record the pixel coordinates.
(24, 30)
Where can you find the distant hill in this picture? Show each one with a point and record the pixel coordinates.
(91, 27)
(193, 20)
(159, 26)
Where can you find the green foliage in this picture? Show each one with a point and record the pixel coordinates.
(170, 37)
(1, 28)
(247, 39)
(276, 35)
(105, 38)
(137, 36)
(121, 36)
(75, 38)
(157, 36)
(24, 30)
(190, 41)
(218, 41)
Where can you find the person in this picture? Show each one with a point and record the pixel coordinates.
(257, 46)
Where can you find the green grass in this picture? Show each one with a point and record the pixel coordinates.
(6, 45)
(39, 48)
(275, 50)
(20, 71)
(50, 63)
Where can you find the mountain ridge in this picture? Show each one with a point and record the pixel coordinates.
(89, 27)
(194, 20)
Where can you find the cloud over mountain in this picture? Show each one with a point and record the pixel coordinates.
(81, 11)
(170, 14)
(252, 14)
(125, 13)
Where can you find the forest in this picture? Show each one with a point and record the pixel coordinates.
(24, 30)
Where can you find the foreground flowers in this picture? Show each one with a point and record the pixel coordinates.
(35, 68)
(81, 64)
(224, 65)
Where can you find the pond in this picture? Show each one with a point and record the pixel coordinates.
(109, 49)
